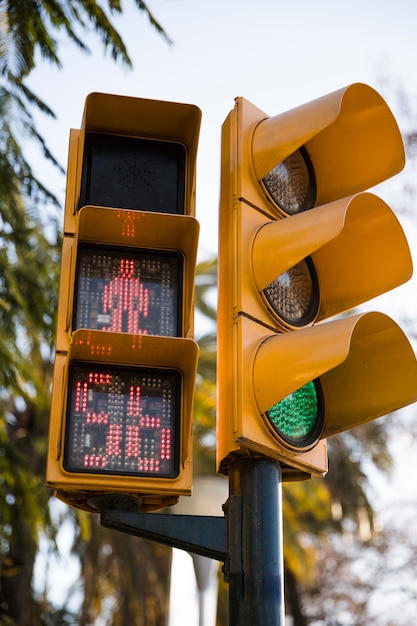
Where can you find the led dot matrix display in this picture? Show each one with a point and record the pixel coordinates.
(126, 290)
(122, 421)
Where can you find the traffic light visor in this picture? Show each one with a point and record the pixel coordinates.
(355, 249)
(352, 140)
(365, 366)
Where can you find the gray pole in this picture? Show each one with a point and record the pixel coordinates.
(254, 535)
(248, 540)
(203, 567)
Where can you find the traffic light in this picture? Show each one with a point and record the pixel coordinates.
(126, 360)
(301, 241)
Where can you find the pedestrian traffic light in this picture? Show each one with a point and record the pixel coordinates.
(125, 365)
(301, 241)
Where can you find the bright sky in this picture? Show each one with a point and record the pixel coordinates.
(276, 54)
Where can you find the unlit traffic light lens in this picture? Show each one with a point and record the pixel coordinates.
(294, 295)
(291, 184)
(298, 418)
(122, 421)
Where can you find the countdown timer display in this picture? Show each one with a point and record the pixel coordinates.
(122, 421)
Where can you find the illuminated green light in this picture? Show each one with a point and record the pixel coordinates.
(298, 417)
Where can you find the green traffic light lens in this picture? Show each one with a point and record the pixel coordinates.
(298, 418)
(294, 295)
(292, 183)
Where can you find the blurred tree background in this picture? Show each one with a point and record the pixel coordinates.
(330, 579)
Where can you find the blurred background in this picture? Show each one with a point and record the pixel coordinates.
(349, 539)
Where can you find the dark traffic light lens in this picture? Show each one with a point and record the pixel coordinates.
(294, 295)
(298, 418)
(292, 184)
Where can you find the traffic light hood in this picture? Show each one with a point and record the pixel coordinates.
(350, 135)
(357, 245)
(365, 364)
(301, 240)
(140, 117)
(114, 129)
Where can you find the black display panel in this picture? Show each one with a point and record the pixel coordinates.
(128, 290)
(131, 173)
(122, 421)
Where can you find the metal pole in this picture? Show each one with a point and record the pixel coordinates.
(201, 611)
(204, 570)
(254, 568)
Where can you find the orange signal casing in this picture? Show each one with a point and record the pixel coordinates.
(359, 251)
(240, 427)
(127, 228)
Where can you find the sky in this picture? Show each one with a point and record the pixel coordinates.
(277, 55)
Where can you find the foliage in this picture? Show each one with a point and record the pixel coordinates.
(27, 28)
(29, 266)
(330, 578)
(205, 393)
(28, 278)
(123, 579)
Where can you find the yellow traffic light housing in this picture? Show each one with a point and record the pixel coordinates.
(125, 366)
(127, 404)
(339, 136)
(133, 153)
(164, 246)
(300, 242)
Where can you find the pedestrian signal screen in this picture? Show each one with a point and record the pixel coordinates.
(129, 291)
(123, 421)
